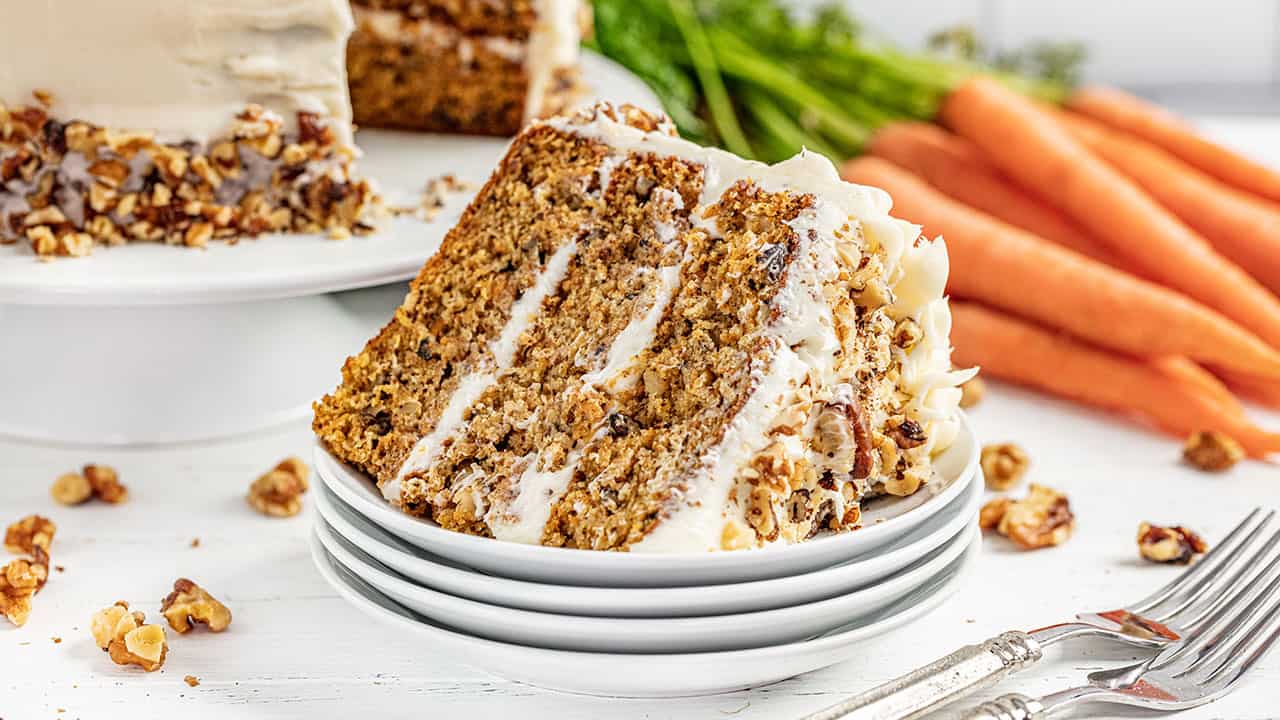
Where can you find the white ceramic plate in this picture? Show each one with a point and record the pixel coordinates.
(641, 635)
(447, 576)
(292, 265)
(884, 520)
(645, 675)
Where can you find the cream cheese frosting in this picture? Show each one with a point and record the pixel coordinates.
(181, 70)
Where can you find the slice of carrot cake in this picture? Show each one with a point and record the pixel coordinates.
(179, 122)
(463, 66)
(633, 342)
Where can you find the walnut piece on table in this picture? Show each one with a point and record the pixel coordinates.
(1212, 451)
(1175, 545)
(20, 580)
(1004, 465)
(189, 603)
(71, 489)
(1042, 519)
(105, 483)
(126, 638)
(278, 493)
(31, 533)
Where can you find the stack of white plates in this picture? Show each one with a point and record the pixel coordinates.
(649, 625)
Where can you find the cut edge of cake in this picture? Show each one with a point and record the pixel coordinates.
(476, 68)
(692, 351)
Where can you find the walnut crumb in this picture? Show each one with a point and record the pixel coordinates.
(71, 489)
(191, 680)
(1176, 544)
(56, 640)
(1212, 451)
(972, 392)
(189, 603)
(195, 542)
(106, 483)
(30, 534)
(1042, 519)
(278, 493)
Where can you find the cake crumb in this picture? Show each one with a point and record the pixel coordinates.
(1173, 545)
(1004, 465)
(279, 491)
(972, 392)
(1042, 519)
(191, 680)
(1212, 451)
(189, 603)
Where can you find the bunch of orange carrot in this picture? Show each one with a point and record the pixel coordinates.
(1102, 251)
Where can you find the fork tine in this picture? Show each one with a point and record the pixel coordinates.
(1221, 592)
(1236, 658)
(1222, 553)
(1231, 626)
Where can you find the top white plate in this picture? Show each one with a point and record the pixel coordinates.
(292, 265)
(884, 520)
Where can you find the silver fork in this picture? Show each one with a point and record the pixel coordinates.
(1184, 605)
(1209, 663)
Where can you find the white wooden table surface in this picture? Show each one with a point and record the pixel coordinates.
(296, 650)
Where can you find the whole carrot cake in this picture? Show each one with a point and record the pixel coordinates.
(633, 342)
(176, 122)
(463, 66)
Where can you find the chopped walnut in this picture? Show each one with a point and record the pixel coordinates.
(29, 534)
(279, 492)
(1042, 519)
(143, 646)
(19, 582)
(191, 680)
(907, 433)
(190, 603)
(972, 392)
(1212, 451)
(106, 483)
(71, 489)
(1004, 465)
(113, 623)
(1175, 544)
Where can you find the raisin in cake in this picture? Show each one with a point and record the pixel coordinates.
(179, 122)
(633, 342)
(464, 66)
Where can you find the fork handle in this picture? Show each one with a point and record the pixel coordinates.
(922, 691)
(1007, 707)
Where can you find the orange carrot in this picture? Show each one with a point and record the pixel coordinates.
(1195, 376)
(1039, 153)
(1240, 226)
(1019, 272)
(953, 165)
(1008, 348)
(1157, 125)
(1258, 390)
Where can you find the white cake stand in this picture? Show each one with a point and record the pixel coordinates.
(146, 344)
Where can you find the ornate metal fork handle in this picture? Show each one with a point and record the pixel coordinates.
(937, 684)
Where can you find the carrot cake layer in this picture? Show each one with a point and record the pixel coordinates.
(474, 66)
(208, 119)
(632, 342)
